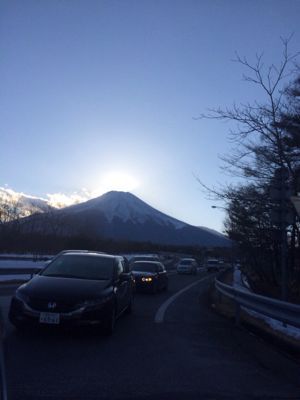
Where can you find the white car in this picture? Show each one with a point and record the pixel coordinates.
(187, 266)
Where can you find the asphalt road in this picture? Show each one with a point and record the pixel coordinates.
(193, 354)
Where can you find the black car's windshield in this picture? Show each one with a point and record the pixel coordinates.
(186, 262)
(135, 259)
(81, 267)
(144, 267)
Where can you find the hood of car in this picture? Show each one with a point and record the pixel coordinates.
(61, 289)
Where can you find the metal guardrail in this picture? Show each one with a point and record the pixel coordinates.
(287, 313)
(20, 271)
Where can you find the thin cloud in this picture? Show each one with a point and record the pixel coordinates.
(61, 200)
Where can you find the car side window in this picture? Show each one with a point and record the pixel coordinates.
(120, 268)
(126, 266)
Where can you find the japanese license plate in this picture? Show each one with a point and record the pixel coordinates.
(49, 318)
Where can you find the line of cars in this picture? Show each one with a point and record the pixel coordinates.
(85, 288)
(190, 265)
(81, 287)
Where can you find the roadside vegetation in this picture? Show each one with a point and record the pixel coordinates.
(265, 159)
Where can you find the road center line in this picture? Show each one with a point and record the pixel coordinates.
(160, 314)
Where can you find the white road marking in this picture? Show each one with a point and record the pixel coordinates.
(160, 314)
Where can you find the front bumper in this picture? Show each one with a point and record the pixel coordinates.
(144, 286)
(22, 314)
(185, 270)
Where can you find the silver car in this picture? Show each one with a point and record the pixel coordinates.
(187, 266)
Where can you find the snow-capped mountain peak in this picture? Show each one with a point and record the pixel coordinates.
(126, 207)
(121, 216)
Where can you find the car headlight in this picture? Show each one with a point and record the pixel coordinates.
(95, 302)
(148, 279)
(21, 296)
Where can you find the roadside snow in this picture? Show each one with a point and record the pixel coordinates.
(18, 265)
(21, 264)
(27, 256)
(239, 282)
(278, 326)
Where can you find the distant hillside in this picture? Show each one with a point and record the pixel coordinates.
(21, 204)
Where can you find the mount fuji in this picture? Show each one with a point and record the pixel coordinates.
(123, 216)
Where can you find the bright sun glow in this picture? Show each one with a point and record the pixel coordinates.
(119, 181)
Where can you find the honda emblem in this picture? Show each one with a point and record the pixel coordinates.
(51, 305)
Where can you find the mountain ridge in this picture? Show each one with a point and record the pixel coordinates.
(124, 205)
(123, 216)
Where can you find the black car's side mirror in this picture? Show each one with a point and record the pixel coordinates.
(35, 272)
(124, 277)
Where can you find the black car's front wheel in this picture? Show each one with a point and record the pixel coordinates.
(20, 327)
(17, 324)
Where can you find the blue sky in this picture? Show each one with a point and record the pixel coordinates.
(95, 88)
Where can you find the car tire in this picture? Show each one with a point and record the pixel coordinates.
(109, 325)
(17, 324)
(22, 328)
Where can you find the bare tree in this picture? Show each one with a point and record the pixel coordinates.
(9, 212)
(266, 138)
(259, 137)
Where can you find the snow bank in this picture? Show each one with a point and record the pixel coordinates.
(276, 325)
(21, 264)
(240, 283)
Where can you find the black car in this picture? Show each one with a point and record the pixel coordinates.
(75, 288)
(149, 275)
